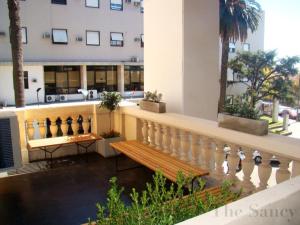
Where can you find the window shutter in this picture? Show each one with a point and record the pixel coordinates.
(6, 148)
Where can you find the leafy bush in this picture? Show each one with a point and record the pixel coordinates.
(159, 204)
(241, 108)
(110, 100)
(152, 96)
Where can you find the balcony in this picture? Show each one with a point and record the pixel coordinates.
(266, 185)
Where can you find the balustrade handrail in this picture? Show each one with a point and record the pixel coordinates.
(274, 144)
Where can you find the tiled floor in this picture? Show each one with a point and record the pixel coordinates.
(65, 195)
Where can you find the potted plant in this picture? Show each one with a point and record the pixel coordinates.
(109, 101)
(152, 102)
(241, 116)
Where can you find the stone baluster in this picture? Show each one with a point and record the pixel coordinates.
(196, 148)
(42, 126)
(264, 170)
(64, 126)
(30, 129)
(75, 125)
(219, 160)
(151, 134)
(174, 142)
(296, 169)
(158, 137)
(248, 167)
(206, 152)
(85, 123)
(166, 139)
(233, 161)
(145, 132)
(53, 126)
(185, 146)
(283, 173)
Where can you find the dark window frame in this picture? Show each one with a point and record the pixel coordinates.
(102, 87)
(93, 7)
(122, 8)
(26, 35)
(142, 42)
(59, 3)
(134, 86)
(26, 79)
(112, 42)
(86, 39)
(55, 70)
(60, 43)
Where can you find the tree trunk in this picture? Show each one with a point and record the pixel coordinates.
(16, 50)
(224, 67)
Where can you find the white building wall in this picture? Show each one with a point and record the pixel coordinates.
(35, 72)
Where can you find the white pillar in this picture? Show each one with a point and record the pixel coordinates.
(121, 81)
(182, 54)
(286, 118)
(275, 110)
(83, 75)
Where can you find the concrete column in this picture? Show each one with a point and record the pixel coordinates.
(83, 75)
(121, 82)
(275, 110)
(182, 54)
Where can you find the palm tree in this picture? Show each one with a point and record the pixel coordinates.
(237, 17)
(16, 50)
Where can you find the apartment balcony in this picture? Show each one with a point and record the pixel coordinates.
(271, 184)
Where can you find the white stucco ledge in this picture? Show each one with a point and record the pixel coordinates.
(279, 205)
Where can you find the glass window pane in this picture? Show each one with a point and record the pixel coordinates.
(116, 36)
(92, 3)
(116, 4)
(50, 77)
(126, 77)
(135, 76)
(74, 79)
(93, 38)
(62, 79)
(111, 77)
(90, 78)
(100, 77)
(246, 47)
(59, 36)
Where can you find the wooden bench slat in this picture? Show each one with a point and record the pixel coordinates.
(157, 160)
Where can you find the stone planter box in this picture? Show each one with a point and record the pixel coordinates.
(256, 127)
(157, 107)
(105, 149)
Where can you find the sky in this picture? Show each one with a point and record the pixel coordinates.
(282, 26)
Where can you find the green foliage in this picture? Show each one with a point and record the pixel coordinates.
(241, 108)
(110, 100)
(264, 75)
(160, 203)
(153, 96)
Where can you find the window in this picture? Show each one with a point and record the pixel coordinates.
(24, 35)
(246, 47)
(102, 78)
(142, 6)
(116, 39)
(231, 47)
(92, 3)
(62, 79)
(59, 36)
(142, 40)
(26, 83)
(116, 5)
(134, 78)
(93, 38)
(61, 2)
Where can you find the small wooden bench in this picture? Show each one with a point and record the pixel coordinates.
(157, 160)
(51, 145)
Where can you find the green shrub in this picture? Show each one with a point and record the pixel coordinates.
(241, 108)
(159, 203)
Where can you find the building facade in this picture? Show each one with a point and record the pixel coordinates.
(254, 42)
(95, 45)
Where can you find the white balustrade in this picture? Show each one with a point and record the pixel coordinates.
(264, 170)
(151, 134)
(145, 132)
(283, 173)
(219, 159)
(233, 161)
(207, 153)
(174, 142)
(296, 168)
(158, 136)
(248, 167)
(196, 148)
(185, 146)
(166, 139)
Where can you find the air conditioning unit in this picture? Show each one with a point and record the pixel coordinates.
(46, 35)
(137, 39)
(92, 94)
(79, 39)
(50, 98)
(134, 59)
(10, 149)
(63, 98)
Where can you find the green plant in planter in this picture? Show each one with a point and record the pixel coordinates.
(160, 203)
(110, 101)
(152, 96)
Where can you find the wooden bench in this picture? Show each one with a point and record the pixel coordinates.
(51, 145)
(157, 160)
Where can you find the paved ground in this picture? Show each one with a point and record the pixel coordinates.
(65, 195)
